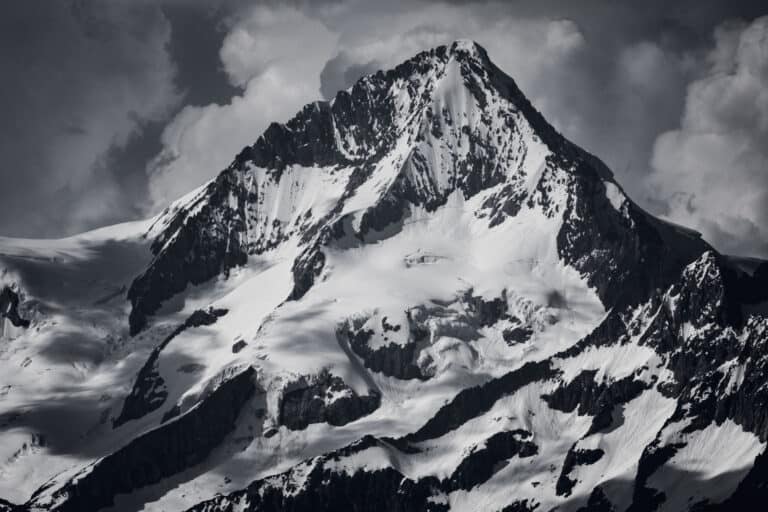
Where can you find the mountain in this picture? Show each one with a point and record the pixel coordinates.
(415, 296)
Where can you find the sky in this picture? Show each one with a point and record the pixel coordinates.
(110, 110)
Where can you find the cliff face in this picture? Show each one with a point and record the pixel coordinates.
(415, 296)
(9, 308)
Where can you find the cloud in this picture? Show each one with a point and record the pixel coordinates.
(275, 54)
(528, 47)
(79, 80)
(269, 37)
(713, 169)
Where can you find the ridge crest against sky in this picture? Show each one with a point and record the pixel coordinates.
(112, 110)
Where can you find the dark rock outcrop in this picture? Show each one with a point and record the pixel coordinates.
(393, 360)
(9, 307)
(485, 460)
(324, 399)
(625, 255)
(159, 453)
(472, 402)
(238, 346)
(575, 457)
(654, 456)
(515, 335)
(461, 319)
(319, 485)
(148, 392)
(595, 399)
(521, 506)
(597, 502)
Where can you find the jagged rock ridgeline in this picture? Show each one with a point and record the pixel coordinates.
(9, 307)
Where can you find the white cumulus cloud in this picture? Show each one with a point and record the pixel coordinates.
(79, 82)
(713, 169)
(274, 53)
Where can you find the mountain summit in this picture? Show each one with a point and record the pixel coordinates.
(415, 296)
(443, 122)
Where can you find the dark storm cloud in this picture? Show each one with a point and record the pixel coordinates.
(87, 88)
(79, 79)
(197, 33)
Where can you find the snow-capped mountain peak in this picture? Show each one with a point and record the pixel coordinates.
(444, 121)
(415, 296)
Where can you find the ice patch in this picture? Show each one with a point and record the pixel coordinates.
(614, 195)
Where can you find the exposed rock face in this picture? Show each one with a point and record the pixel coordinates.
(515, 335)
(473, 402)
(461, 319)
(626, 255)
(521, 506)
(575, 457)
(324, 399)
(159, 453)
(487, 459)
(192, 249)
(382, 491)
(593, 399)
(597, 502)
(703, 306)
(149, 393)
(9, 307)
(393, 360)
